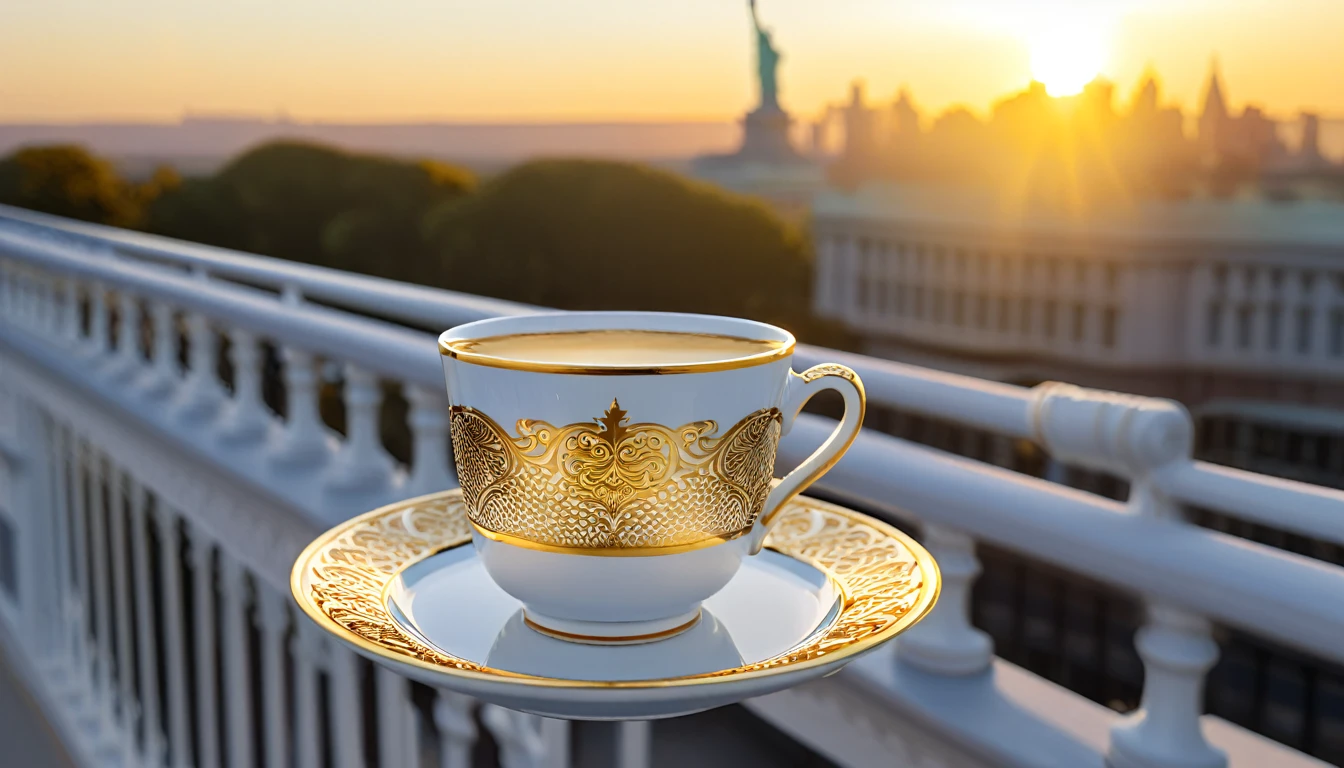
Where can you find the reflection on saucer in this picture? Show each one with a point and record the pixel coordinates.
(706, 647)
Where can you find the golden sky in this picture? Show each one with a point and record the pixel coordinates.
(553, 60)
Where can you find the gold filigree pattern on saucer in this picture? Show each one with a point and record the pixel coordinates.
(608, 484)
(340, 581)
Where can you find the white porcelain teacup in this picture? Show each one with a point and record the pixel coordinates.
(617, 466)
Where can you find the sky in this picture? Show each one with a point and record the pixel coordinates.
(618, 60)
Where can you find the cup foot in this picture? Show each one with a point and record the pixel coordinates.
(611, 632)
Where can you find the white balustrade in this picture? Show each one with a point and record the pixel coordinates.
(1189, 578)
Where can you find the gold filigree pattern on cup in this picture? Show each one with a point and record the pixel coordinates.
(609, 484)
(828, 369)
(341, 578)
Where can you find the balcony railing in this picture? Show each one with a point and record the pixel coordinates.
(156, 499)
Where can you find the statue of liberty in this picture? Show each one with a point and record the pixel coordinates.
(767, 63)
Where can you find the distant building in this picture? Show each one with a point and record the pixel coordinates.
(1235, 308)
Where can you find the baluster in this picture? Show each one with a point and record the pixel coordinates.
(456, 727)
(70, 328)
(101, 595)
(125, 363)
(525, 741)
(46, 306)
(945, 642)
(162, 377)
(431, 469)
(1322, 315)
(347, 708)
(274, 610)
(247, 419)
(304, 442)
(362, 464)
(237, 662)
(1136, 438)
(82, 604)
(170, 571)
(6, 283)
(154, 745)
(96, 343)
(116, 511)
(308, 647)
(201, 551)
(201, 394)
(67, 642)
(634, 744)
(396, 718)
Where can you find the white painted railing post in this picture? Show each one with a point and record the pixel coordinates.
(120, 490)
(237, 678)
(96, 343)
(304, 443)
(527, 741)
(125, 362)
(634, 744)
(363, 465)
(453, 718)
(162, 377)
(102, 596)
(201, 394)
(346, 708)
(274, 615)
(147, 645)
(396, 719)
(431, 467)
(246, 418)
(70, 330)
(174, 637)
(945, 642)
(308, 645)
(68, 641)
(1136, 438)
(205, 686)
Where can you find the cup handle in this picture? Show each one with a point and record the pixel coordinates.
(800, 388)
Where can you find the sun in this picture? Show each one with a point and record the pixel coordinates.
(1067, 52)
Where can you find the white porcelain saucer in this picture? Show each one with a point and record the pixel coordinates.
(403, 586)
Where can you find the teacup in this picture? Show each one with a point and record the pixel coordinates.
(617, 466)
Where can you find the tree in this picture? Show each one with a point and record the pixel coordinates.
(580, 234)
(317, 205)
(67, 180)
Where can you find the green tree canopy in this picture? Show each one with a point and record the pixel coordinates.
(579, 234)
(317, 205)
(67, 180)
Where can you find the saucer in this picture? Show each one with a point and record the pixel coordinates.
(402, 585)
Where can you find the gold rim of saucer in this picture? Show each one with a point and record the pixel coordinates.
(454, 350)
(888, 582)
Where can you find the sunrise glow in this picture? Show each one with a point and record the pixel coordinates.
(1067, 52)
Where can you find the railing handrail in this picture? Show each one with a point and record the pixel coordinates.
(431, 308)
(377, 346)
(1289, 598)
(999, 408)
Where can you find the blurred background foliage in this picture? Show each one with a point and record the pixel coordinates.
(571, 234)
